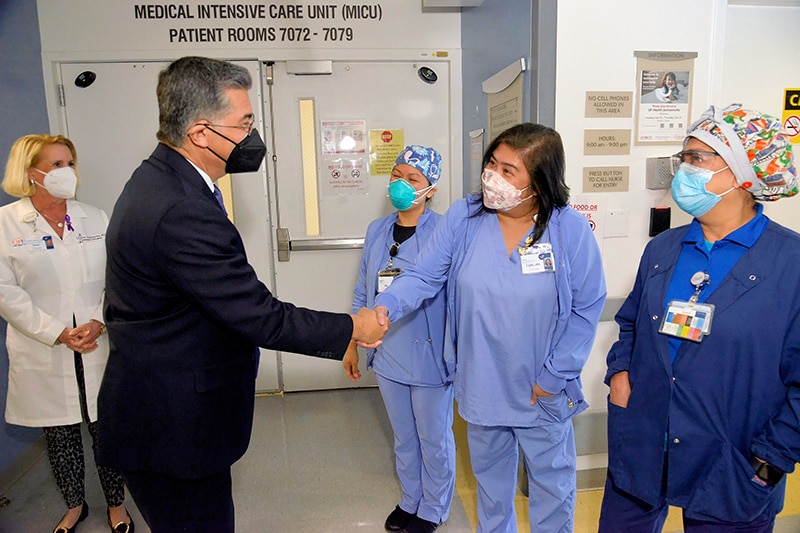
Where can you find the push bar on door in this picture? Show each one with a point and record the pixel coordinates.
(286, 246)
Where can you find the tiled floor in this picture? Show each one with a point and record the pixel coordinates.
(318, 462)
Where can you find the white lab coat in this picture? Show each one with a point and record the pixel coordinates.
(44, 281)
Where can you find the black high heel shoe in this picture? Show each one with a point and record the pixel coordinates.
(84, 514)
(121, 527)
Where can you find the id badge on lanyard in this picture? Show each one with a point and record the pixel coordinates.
(386, 277)
(537, 259)
(689, 320)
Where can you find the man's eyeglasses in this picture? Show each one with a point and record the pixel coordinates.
(249, 128)
(694, 157)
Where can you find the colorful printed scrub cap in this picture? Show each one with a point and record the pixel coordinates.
(426, 160)
(754, 146)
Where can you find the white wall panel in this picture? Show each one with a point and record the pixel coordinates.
(756, 72)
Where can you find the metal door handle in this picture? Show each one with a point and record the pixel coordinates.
(286, 245)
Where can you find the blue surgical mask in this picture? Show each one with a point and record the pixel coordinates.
(689, 189)
(403, 195)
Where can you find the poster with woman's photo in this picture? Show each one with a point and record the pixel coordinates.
(664, 83)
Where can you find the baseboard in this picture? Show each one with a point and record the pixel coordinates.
(593, 479)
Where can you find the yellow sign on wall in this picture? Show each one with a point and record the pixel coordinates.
(791, 114)
(384, 145)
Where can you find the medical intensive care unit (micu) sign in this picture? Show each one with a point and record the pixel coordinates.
(283, 17)
(196, 25)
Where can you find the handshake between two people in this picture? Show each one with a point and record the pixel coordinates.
(369, 326)
(376, 322)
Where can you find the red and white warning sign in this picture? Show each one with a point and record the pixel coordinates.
(792, 125)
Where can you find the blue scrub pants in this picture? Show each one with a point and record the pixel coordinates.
(549, 452)
(622, 513)
(424, 447)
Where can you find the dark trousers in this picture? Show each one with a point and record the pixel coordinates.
(622, 513)
(170, 504)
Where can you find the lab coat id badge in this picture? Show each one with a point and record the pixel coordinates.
(537, 259)
(687, 320)
(35, 245)
(386, 277)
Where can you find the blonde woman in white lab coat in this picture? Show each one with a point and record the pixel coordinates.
(52, 277)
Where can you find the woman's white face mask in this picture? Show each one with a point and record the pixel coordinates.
(60, 182)
(498, 193)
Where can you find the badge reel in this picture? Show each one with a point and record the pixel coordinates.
(689, 320)
(387, 275)
(537, 258)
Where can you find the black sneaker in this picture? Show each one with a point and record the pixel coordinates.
(420, 525)
(398, 520)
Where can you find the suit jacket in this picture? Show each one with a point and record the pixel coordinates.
(185, 312)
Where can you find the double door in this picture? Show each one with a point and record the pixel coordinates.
(303, 215)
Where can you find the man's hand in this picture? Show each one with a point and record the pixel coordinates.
(620, 385)
(350, 362)
(369, 328)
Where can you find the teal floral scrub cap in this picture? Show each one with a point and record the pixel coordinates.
(426, 160)
(754, 146)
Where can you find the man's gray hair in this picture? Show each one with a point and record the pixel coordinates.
(192, 89)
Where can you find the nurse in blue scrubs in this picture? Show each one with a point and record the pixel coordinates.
(524, 282)
(416, 386)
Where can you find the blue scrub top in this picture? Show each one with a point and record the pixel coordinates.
(412, 350)
(548, 335)
(407, 354)
(506, 321)
(717, 261)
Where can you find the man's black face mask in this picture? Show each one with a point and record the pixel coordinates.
(246, 155)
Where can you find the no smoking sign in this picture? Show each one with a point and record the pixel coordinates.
(792, 125)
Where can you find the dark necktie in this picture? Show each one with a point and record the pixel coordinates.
(218, 196)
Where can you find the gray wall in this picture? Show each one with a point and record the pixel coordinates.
(493, 35)
(23, 111)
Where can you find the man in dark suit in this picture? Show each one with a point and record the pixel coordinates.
(185, 311)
